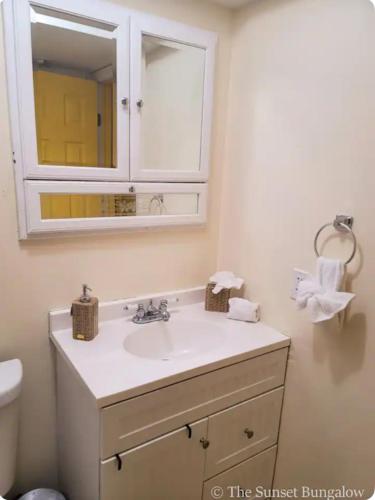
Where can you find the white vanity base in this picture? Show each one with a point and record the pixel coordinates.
(180, 436)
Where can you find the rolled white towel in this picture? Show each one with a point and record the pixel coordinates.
(243, 310)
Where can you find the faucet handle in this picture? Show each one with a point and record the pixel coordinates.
(140, 313)
(163, 309)
(163, 303)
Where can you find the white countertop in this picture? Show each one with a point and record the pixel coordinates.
(112, 374)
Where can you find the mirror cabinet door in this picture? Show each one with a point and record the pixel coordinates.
(59, 205)
(80, 77)
(171, 99)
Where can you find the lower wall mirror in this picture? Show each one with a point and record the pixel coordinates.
(75, 206)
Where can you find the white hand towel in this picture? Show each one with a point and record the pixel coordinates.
(225, 279)
(243, 310)
(320, 294)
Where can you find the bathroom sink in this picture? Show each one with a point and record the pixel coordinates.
(174, 339)
(127, 359)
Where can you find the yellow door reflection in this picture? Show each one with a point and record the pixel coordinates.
(70, 132)
(66, 119)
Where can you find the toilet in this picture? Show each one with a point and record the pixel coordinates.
(10, 388)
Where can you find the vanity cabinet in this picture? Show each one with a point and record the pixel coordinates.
(219, 428)
(137, 420)
(174, 466)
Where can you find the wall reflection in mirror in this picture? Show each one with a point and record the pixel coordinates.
(76, 206)
(173, 85)
(74, 68)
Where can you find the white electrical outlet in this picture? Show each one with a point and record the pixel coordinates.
(299, 275)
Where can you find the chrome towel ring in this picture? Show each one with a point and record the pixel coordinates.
(341, 223)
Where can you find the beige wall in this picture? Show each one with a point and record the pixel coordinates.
(301, 148)
(38, 276)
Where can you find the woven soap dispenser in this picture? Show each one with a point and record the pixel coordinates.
(85, 316)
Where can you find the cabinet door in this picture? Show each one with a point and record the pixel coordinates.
(171, 100)
(242, 431)
(73, 80)
(170, 467)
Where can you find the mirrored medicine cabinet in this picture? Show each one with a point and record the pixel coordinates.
(111, 116)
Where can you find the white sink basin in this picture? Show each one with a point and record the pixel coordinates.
(174, 339)
(126, 360)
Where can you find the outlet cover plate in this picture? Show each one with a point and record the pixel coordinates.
(299, 275)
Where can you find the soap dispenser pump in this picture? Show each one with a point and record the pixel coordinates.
(85, 315)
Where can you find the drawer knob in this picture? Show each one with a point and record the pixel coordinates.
(205, 443)
(249, 433)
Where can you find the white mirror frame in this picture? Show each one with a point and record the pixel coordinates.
(20, 51)
(38, 225)
(166, 30)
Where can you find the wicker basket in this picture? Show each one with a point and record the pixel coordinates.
(217, 302)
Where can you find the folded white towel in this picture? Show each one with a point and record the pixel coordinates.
(320, 294)
(243, 310)
(225, 279)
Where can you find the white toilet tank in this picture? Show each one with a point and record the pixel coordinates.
(10, 388)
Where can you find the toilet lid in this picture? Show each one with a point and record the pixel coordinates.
(43, 494)
(10, 381)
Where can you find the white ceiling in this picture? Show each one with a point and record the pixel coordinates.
(71, 49)
(233, 4)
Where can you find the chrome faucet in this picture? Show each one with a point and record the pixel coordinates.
(152, 313)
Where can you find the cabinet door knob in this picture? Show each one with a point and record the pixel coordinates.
(249, 433)
(140, 103)
(205, 443)
(125, 101)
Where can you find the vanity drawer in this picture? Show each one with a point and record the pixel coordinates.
(137, 420)
(243, 431)
(255, 473)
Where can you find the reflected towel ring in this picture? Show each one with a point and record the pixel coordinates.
(341, 223)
